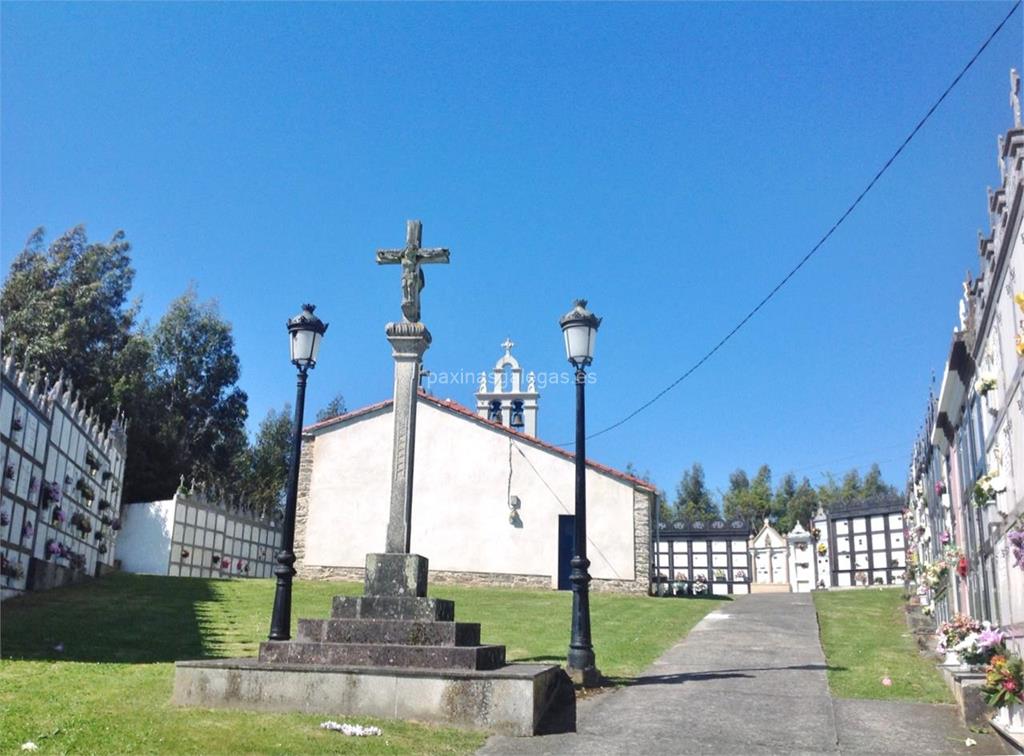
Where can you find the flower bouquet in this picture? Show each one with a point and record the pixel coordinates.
(1016, 540)
(9, 569)
(979, 647)
(952, 632)
(57, 517)
(985, 384)
(85, 489)
(80, 521)
(700, 585)
(822, 549)
(986, 488)
(5, 519)
(1004, 683)
(51, 494)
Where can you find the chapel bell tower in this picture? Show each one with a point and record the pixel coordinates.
(506, 402)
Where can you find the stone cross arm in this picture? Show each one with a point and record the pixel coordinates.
(413, 252)
(411, 257)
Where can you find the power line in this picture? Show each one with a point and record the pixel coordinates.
(820, 242)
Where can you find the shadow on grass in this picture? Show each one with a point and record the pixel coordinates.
(122, 618)
(720, 674)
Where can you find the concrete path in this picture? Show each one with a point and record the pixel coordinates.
(748, 679)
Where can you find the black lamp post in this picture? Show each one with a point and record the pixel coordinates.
(579, 327)
(305, 332)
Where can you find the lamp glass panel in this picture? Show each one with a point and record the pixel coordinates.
(577, 342)
(593, 343)
(317, 337)
(302, 345)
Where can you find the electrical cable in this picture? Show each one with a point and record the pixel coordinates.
(819, 244)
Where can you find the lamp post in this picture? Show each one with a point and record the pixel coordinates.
(579, 327)
(305, 331)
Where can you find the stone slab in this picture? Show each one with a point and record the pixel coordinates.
(376, 655)
(396, 575)
(400, 632)
(518, 699)
(393, 608)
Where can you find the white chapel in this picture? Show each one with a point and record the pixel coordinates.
(492, 502)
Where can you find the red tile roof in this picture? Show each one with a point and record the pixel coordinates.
(469, 414)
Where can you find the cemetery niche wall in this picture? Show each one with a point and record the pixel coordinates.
(867, 542)
(693, 559)
(198, 533)
(61, 486)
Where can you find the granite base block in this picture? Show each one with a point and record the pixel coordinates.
(380, 655)
(389, 632)
(519, 699)
(393, 608)
(396, 575)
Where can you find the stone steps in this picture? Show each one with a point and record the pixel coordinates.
(381, 655)
(389, 632)
(393, 607)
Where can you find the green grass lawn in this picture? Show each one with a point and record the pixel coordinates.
(108, 690)
(865, 637)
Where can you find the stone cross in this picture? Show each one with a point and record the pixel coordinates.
(410, 258)
(1015, 97)
(409, 340)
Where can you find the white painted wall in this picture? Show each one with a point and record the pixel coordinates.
(460, 520)
(144, 544)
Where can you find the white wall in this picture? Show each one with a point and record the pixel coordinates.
(145, 541)
(460, 520)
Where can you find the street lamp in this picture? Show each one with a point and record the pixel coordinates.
(579, 327)
(305, 331)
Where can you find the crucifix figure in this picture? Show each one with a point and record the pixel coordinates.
(410, 258)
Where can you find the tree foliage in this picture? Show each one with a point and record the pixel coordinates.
(694, 502)
(749, 500)
(188, 413)
(64, 309)
(266, 462)
(334, 408)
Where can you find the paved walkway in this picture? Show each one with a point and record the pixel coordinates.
(749, 678)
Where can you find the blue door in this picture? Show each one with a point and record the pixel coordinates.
(566, 546)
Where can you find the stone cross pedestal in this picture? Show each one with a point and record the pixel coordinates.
(392, 652)
(408, 343)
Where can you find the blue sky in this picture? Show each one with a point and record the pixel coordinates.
(670, 162)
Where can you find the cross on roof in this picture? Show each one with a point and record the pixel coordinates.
(507, 345)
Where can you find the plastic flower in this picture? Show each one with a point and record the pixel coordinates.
(990, 637)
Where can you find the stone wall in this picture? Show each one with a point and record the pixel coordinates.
(643, 509)
(302, 508)
(493, 579)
